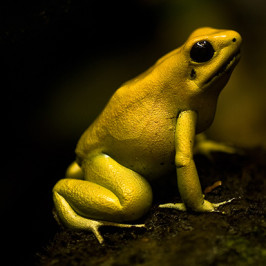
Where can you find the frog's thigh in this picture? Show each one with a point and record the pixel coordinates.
(109, 192)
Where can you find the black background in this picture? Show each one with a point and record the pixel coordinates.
(41, 42)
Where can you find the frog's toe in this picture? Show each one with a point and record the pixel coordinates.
(217, 205)
(95, 231)
(97, 224)
(105, 223)
(177, 206)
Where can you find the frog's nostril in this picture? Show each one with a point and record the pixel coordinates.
(234, 40)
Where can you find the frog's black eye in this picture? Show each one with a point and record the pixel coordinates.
(201, 51)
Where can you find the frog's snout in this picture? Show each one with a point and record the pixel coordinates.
(235, 37)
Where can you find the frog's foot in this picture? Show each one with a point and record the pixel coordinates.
(94, 226)
(217, 205)
(206, 147)
(213, 207)
(206, 206)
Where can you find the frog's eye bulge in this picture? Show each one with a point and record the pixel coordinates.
(201, 51)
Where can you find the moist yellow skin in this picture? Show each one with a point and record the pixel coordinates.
(146, 131)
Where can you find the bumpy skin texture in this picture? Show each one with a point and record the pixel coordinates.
(146, 131)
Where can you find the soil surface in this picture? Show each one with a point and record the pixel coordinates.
(234, 236)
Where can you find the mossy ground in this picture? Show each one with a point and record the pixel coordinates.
(235, 236)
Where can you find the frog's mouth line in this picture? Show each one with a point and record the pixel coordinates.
(229, 64)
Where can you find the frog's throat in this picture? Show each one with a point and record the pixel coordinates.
(226, 67)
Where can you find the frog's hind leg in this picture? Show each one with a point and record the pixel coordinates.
(75, 221)
(109, 194)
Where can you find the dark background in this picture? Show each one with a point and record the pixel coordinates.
(62, 60)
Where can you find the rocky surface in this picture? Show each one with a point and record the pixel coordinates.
(233, 236)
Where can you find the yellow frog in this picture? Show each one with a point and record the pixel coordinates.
(146, 131)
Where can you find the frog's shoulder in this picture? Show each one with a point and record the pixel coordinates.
(124, 117)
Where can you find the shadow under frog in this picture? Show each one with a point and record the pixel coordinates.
(147, 130)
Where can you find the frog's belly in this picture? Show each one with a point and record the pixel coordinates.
(152, 155)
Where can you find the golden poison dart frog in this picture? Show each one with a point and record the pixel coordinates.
(146, 131)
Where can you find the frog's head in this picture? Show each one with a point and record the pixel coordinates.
(211, 56)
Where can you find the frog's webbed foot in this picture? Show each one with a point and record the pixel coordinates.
(217, 205)
(95, 225)
(206, 206)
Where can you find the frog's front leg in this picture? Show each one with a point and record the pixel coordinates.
(187, 176)
(109, 194)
